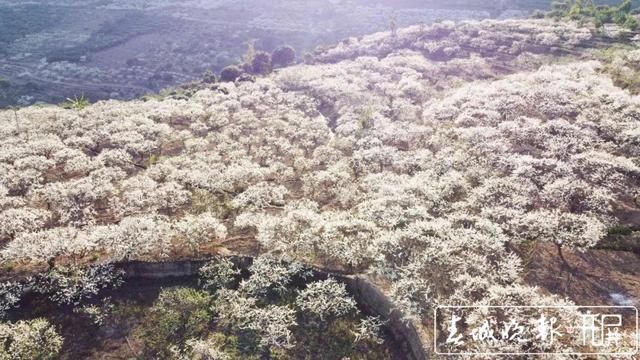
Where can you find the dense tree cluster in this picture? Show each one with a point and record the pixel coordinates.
(259, 315)
(63, 285)
(621, 14)
(258, 63)
(624, 67)
(27, 340)
(446, 40)
(73, 285)
(416, 157)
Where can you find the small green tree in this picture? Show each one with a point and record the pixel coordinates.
(631, 23)
(250, 53)
(76, 103)
(575, 11)
(29, 340)
(283, 56)
(600, 15)
(230, 73)
(326, 299)
(261, 63)
(559, 8)
(625, 7)
(209, 77)
(74, 284)
(216, 346)
(177, 315)
(537, 14)
(217, 274)
(393, 24)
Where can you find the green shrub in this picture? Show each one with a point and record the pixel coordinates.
(230, 73)
(27, 340)
(215, 346)
(217, 274)
(600, 15)
(631, 22)
(261, 63)
(283, 56)
(537, 14)
(177, 315)
(209, 77)
(334, 340)
(620, 230)
(77, 103)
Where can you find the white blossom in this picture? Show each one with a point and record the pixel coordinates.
(217, 273)
(325, 299)
(33, 339)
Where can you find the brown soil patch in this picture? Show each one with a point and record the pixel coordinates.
(590, 277)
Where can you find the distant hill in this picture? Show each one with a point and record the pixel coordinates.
(51, 50)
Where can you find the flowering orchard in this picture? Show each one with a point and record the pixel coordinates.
(418, 158)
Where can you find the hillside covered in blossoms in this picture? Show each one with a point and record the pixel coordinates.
(425, 159)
